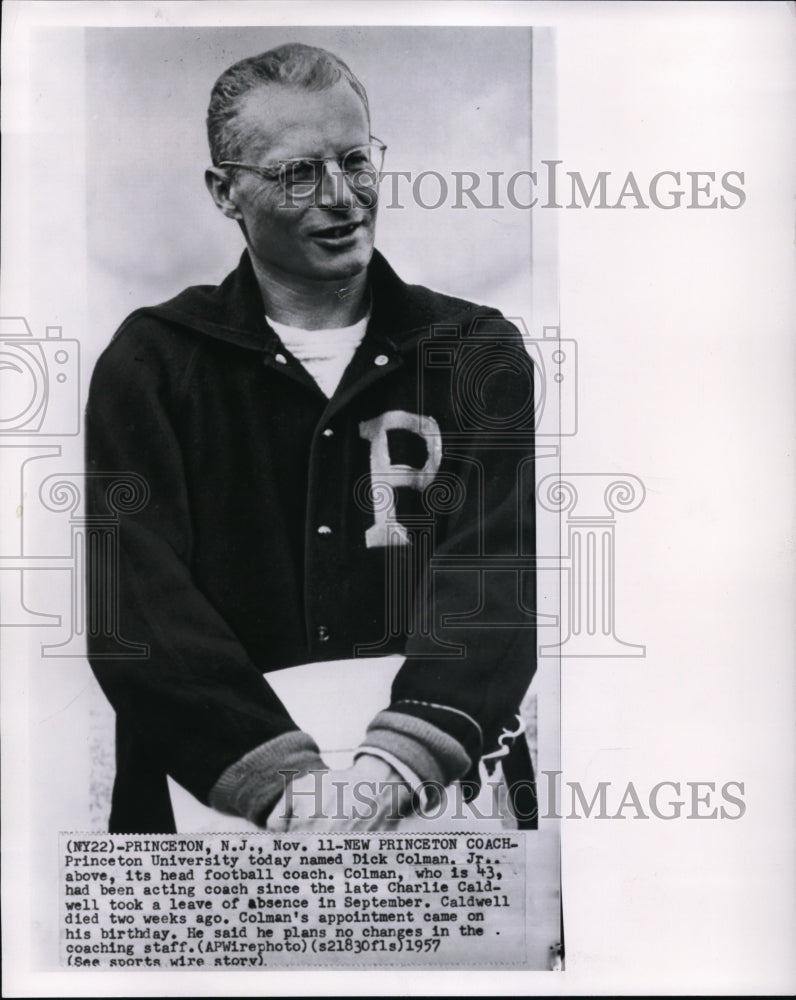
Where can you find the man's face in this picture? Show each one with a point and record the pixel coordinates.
(329, 234)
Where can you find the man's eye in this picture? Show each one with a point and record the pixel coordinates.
(357, 159)
(302, 171)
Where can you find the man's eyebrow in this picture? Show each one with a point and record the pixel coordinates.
(336, 152)
(306, 151)
(316, 155)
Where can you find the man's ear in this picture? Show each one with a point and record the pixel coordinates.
(218, 184)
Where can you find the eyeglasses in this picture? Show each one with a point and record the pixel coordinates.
(301, 176)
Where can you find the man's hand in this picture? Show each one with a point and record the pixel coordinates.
(369, 795)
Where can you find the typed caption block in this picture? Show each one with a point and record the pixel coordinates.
(249, 901)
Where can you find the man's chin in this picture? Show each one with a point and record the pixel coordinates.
(342, 265)
(317, 264)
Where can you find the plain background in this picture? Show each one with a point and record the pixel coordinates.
(684, 322)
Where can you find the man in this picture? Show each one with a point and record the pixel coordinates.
(339, 466)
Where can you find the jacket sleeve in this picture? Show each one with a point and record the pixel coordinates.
(470, 656)
(194, 702)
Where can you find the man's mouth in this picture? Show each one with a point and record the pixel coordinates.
(336, 232)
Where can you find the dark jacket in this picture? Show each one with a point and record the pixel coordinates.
(224, 574)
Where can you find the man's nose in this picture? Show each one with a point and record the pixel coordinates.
(335, 189)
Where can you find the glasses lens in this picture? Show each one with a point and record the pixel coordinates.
(362, 166)
(300, 177)
(363, 163)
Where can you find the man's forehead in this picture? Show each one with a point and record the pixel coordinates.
(285, 120)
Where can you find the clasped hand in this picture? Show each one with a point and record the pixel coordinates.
(369, 795)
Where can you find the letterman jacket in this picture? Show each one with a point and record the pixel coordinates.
(281, 527)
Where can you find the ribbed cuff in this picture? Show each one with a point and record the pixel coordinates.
(432, 754)
(252, 785)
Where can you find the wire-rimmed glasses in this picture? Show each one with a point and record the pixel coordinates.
(300, 176)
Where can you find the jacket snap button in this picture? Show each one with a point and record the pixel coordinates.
(281, 359)
(322, 633)
(381, 359)
(328, 432)
(324, 529)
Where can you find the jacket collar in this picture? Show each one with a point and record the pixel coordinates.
(233, 311)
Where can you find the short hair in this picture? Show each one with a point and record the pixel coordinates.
(293, 65)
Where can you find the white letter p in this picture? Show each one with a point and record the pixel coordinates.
(384, 476)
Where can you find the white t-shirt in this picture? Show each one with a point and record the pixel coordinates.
(324, 353)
